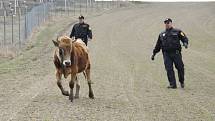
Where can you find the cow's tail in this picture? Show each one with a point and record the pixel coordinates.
(85, 75)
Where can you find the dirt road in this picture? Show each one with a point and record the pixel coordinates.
(128, 86)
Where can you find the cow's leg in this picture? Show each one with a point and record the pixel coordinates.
(91, 95)
(58, 76)
(71, 85)
(77, 88)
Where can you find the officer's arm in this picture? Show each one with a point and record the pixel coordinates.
(73, 32)
(89, 33)
(183, 38)
(157, 46)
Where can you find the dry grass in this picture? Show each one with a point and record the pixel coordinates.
(128, 86)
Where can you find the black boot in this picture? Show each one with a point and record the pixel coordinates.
(172, 87)
(182, 85)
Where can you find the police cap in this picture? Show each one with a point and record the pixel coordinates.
(167, 20)
(81, 17)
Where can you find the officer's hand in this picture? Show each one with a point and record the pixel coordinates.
(153, 57)
(185, 45)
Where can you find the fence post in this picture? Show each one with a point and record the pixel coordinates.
(4, 42)
(65, 6)
(26, 21)
(12, 26)
(55, 6)
(44, 12)
(19, 14)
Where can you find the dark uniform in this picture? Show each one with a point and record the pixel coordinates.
(81, 31)
(169, 42)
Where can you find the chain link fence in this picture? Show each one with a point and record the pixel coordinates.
(19, 18)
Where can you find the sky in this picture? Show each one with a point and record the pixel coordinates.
(164, 0)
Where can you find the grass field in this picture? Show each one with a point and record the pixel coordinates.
(127, 84)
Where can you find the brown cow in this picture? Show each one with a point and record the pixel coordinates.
(71, 57)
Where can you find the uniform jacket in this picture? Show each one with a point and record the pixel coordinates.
(82, 31)
(169, 40)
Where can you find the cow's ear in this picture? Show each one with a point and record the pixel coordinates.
(55, 43)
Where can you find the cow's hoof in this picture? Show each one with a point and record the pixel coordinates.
(71, 98)
(91, 95)
(66, 93)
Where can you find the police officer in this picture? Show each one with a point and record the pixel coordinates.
(169, 42)
(81, 30)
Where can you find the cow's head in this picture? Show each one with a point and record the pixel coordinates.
(64, 45)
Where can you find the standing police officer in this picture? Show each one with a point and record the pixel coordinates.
(169, 42)
(81, 30)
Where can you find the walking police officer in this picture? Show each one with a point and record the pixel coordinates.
(81, 30)
(169, 42)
